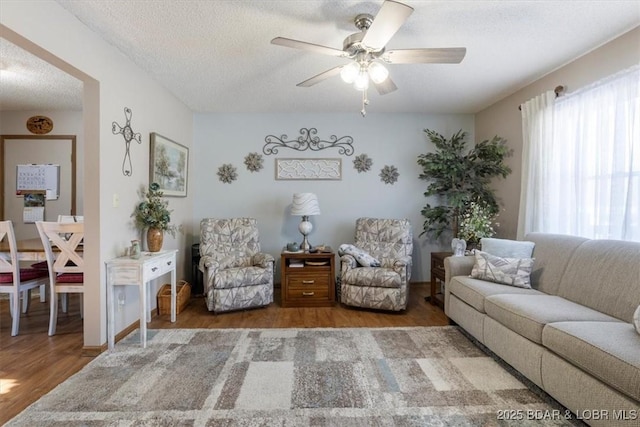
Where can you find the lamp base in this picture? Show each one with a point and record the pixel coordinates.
(305, 228)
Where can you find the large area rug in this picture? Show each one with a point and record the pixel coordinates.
(417, 376)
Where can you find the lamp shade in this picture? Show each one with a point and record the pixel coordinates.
(305, 204)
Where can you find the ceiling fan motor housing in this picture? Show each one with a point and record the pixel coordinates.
(353, 43)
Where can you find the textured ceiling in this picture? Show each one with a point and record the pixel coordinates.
(216, 56)
(29, 83)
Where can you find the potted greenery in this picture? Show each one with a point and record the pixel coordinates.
(153, 214)
(460, 179)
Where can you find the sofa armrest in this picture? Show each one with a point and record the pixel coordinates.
(262, 259)
(347, 262)
(455, 266)
(208, 262)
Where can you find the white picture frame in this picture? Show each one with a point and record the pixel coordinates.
(308, 169)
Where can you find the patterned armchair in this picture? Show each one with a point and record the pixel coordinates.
(386, 287)
(236, 274)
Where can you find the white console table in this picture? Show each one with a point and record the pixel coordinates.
(126, 271)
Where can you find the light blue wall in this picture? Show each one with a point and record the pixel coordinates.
(389, 139)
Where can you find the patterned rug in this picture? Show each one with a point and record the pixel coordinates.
(417, 376)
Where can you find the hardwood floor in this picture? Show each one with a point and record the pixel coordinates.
(33, 363)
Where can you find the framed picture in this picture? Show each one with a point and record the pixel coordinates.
(168, 165)
(314, 169)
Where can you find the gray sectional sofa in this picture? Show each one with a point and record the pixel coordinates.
(572, 333)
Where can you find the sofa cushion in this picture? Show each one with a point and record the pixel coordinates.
(604, 275)
(509, 271)
(552, 253)
(506, 248)
(610, 351)
(377, 277)
(528, 314)
(474, 291)
(241, 276)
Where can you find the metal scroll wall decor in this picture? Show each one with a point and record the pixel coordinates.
(308, 141)
(129, 135)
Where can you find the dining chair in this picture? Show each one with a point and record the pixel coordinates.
(43, 264)
(70, 218)
(17, 281)
(66, 266)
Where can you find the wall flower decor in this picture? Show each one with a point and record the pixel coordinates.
(389, 174)
(308, 141)
(129, 135)
(254, 162)
(227, 173)
(362, 163)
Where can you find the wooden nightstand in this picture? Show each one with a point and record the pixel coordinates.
(437, 273)
(311, 283)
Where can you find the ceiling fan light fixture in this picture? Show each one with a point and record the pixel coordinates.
(362, 81)
(378, 72)
(349, 72)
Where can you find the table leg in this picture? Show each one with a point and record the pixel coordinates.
(111, 316)
(143, 314)
(173, 295)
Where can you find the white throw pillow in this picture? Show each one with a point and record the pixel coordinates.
(361, 256)
(508, 271)
(505, 248)
(636, 319)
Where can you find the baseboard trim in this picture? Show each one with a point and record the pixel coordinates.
(93, 351)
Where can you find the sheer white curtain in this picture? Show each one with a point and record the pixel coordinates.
(537, 130)
(586, 174)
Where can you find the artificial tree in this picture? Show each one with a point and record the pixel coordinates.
(459, 177)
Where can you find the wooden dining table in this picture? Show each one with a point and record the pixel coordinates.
(31, 249)
(28, 249)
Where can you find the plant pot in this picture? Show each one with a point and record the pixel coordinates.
(155, 237)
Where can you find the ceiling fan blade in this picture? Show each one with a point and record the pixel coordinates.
(297, 44)
(447, 55)
(320, 77)
(386, 23)
(387, 86)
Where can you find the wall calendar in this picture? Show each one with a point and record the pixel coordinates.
(38, 177)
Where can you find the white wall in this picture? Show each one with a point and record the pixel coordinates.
(503, 118)
(112, 82)
(389, 139)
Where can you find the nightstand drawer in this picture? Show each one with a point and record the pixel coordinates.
(310, 293)
(307, 281)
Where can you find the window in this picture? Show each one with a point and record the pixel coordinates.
(582, 162)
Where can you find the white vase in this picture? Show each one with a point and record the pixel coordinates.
(458, 246)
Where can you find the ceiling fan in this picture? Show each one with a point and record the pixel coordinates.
(366, 50)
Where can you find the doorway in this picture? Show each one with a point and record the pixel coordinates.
(19, 150)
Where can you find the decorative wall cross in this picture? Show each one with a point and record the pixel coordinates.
(129, 135)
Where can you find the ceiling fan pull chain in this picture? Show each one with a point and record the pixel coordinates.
(365, 102)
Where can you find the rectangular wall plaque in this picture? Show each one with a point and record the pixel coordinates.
(299, 169)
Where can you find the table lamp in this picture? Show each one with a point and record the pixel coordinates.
(305, 204)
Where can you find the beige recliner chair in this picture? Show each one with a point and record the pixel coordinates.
(390, 243)
(236, 274)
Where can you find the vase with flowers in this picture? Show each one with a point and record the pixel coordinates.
(476, 221)
(153, 214)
